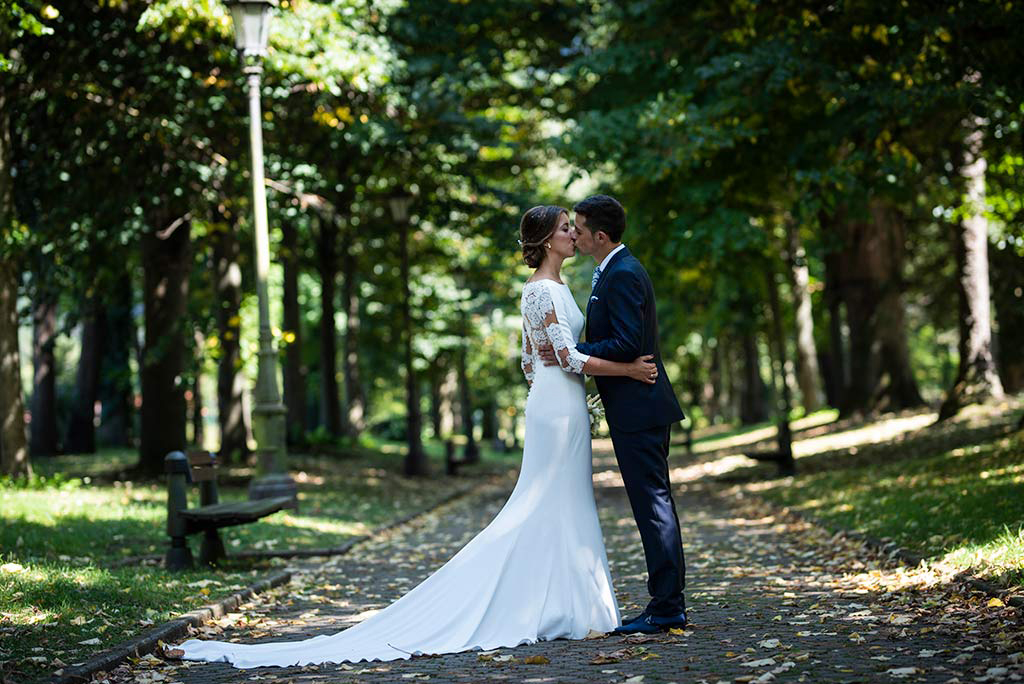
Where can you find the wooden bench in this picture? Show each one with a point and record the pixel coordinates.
(201, 467)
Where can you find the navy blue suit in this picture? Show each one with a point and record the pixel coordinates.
(622, 324)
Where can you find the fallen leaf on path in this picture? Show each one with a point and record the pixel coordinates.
(536, 660)
(765, 662)
(900, 672)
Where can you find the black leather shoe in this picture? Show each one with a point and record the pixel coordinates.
(635, 618)
(652, 624)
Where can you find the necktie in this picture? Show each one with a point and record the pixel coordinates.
(597, 276)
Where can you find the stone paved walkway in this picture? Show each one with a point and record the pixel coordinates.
(769, 600)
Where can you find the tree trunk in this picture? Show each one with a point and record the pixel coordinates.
(115, 390)
(81, 432)
(711, 394)
(730, 390)
(806, 352)
(416, 458)
(871, 266)
(833, 367)
(1008, 293)
(14, 459)
(471, 452)
(435, 401)
(327, 265)
(234, 420)
(753, 408)
(489, 428)
(977, 379)
(355, 405)
(294, 370)
(449, 400)
(43, 428)
(198, 427)
(166, 264)
(787, 466)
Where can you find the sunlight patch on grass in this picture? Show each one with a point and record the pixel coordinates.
(962, 508)
(1001, 559)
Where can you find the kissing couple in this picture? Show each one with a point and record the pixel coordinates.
(539, 570)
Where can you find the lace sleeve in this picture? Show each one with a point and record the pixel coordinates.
(527, 361)
(545, 328)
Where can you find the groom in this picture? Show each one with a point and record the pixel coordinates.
(621, 325)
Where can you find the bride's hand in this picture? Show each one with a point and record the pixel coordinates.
(643, 370)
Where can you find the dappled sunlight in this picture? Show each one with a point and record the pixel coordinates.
(741, 437)
(326, 525)
(880, 431)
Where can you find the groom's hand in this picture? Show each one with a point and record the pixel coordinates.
(547, 355)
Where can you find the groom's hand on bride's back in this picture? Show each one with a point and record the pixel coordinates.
(547, 355)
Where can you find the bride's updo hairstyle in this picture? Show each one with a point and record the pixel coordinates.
(536, 228)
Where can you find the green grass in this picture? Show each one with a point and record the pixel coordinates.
(963, 507)
(62, 535)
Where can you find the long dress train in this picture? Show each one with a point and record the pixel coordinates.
(538, 571)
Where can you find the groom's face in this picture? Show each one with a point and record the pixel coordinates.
(584, 238)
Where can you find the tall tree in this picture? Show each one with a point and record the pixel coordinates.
(807, 371)
(753, 393)
(977, 378)
(294, 370)
(232, 416)
(119, 339)
(166, 262)
(81, 431)
(416, 463)
(355, 397)
(872, 288)
(14, 455)
(327, 267)
(43, 439)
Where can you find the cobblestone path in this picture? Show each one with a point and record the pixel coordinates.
(769, 600)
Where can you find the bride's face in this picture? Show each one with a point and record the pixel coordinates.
(563, 241)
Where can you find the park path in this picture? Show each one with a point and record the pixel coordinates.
(769, 600)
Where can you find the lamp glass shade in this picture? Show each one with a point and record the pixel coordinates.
(252, 26)
(400, 207)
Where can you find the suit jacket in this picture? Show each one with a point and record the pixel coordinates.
(622, 324)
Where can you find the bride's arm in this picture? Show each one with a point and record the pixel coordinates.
(526, 362)
(539, 311)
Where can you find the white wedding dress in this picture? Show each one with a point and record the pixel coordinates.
(538, 571)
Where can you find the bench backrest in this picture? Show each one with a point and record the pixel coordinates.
(202, 466)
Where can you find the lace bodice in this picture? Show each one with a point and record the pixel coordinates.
(548, 319)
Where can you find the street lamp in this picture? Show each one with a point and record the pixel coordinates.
(252, 31)
(416, 459)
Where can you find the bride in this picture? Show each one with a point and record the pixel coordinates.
(539, 570)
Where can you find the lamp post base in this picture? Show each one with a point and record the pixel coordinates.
(273, 485)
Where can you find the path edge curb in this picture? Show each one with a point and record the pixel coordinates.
(178, 627)
(168, 631)
(891, 550)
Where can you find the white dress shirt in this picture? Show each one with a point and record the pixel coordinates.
(604, 264)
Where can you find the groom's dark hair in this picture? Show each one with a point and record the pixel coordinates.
(603, 213)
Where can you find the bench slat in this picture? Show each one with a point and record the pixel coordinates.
(234, 512)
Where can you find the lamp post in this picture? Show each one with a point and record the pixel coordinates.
(416, 459)
(252, 31)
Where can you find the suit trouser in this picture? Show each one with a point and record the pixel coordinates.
(643, 463)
